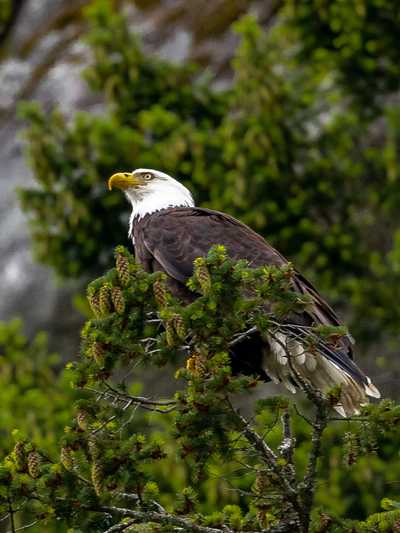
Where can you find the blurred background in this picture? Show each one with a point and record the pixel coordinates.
(284, 113)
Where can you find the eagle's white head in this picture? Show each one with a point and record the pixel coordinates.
(149, 191)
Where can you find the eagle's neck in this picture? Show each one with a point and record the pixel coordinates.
(162, 196)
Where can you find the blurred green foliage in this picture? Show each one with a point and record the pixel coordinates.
(35, 395)
(358, 39)
(5, 12)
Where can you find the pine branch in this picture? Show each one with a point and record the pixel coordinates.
(309, 482)
(11, 514)
(114, 396)
(120, 527)
(164, 519)
(269, 457)
(286, 448)
(26, 526)
(183, 524)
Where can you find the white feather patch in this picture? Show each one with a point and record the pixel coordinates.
(371, 390)
(322, 373)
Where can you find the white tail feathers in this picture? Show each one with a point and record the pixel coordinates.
(322, 373)
(371, 390)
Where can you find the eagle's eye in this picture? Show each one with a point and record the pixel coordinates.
(148, 176)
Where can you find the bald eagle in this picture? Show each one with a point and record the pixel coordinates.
(169, 233)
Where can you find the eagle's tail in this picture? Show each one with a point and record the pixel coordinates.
(324, 368)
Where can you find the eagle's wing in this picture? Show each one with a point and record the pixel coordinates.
(188, 233)
(176, 237)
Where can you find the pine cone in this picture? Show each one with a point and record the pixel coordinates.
(261, 481)
(93, 299)
(83, 419)
(170, 332)
(160, 293)
(98, 352)
(66, 458)
(191, 364)
(118, 300)
(196, 365)
(34, 464)
(352, 448)
(201, 368)
(105, 300)
(203, 277)
(262, 518)
(122, 265)
(179, 326)
(93, 446)
(20, 458)
(97, 477)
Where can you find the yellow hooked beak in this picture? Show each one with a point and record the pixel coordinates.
(123, 180)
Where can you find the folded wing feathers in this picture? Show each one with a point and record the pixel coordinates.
(324, 369)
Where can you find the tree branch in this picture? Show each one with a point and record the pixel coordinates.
(286, 449)
(11, 514)
(113, 395)
(269, 457)
(161, 518)
(242, 336)
(120, 527)
(320, 423)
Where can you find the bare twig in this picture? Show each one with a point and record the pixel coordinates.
(301, 415)
(120, 527)
(286, 448)
(141, 399)
(243, 335)
(11, 514)
(26, 526)
(115, 396)
(320, 423)
(135, 499)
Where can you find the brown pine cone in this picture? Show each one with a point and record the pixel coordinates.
(94, 302)
(97, 476)
(170, 332)
(179, 325)
(160, 293)
(66, 458)
(122, 265)
(83, 419)
(118, 300)
(105, 299)
(98, 352)
(20, 457)
(203, 276)
(34, 464)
